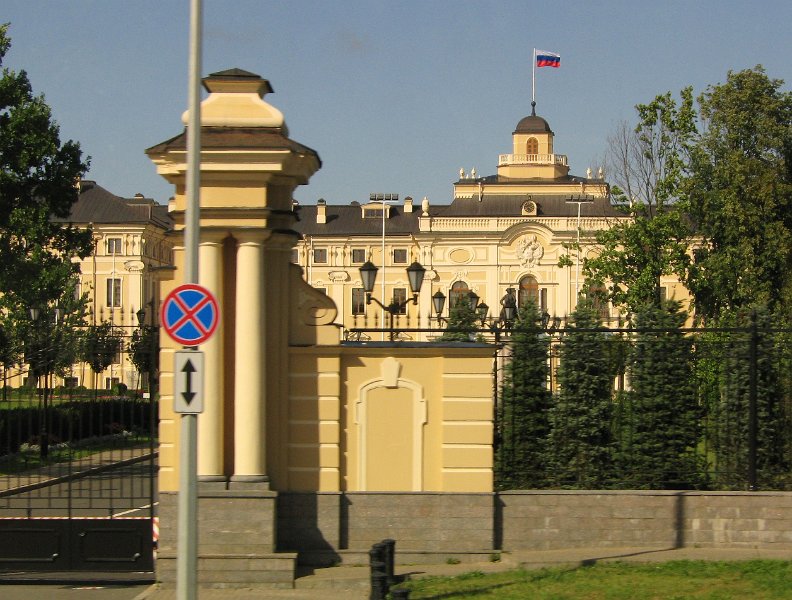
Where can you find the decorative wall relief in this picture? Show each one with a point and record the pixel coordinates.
(529, 251)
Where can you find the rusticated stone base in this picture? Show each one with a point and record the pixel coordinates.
(236, 537)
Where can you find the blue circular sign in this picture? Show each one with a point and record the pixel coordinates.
(190, 314)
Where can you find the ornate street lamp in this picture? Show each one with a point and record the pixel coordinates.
(415, 276)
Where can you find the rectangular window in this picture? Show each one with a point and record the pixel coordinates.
(400, 298)
(114, 245)
(111, 382)
(358, 256)
(399, 256)
(295, 256)
(320, 256)
(543, 300)
(113, 293)
(70, 382)
(358, 301)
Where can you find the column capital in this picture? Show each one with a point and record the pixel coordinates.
(213, 236)
(251, 236)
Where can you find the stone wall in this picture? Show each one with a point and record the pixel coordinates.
(236, 538)
(340, 527)
(547, 520)
(327, 528)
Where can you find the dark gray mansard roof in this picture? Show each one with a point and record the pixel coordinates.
(348, 220)
(99, 206)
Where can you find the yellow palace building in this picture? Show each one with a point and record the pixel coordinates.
(503, 231)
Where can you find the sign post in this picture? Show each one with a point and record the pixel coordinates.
(189, 315)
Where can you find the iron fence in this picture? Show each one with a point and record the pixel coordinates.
(733, 386)
(714, 412)
(77, 443)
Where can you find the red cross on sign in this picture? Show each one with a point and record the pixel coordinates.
(190, 314)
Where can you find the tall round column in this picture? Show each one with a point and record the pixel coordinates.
(249, 368)
(211, 421)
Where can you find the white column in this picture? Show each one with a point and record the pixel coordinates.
(249, 371)
(210, 422)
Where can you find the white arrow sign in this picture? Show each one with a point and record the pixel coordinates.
(188, 396)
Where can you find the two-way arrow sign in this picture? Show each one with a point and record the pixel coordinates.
(188, 389)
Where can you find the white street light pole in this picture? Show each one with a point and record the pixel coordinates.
(579, 200)
(385, 200)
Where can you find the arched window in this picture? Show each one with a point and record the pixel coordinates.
(529, 290)
(532, 146)
(459, 290)
(599, 298)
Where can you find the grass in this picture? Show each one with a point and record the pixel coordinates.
(676, 580)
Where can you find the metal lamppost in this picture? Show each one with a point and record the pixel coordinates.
(415, 276)
(385, 200)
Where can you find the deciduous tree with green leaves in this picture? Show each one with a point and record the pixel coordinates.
(144, 351)
(649, 167)
(38, 176)
(740, 196)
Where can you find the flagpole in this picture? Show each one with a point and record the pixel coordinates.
(533, 77)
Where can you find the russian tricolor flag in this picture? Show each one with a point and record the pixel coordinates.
(547, 59)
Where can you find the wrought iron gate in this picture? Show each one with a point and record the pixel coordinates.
(77, 480)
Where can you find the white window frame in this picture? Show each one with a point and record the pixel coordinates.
(113, 291)
(113, 245)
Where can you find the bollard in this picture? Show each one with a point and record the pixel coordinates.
(390, 559)
(379, 586)
(379, 576)
(400, 594)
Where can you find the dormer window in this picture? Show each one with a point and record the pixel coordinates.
(377, 204)
(374, 211)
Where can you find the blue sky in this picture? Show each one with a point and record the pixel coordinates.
(395, 96)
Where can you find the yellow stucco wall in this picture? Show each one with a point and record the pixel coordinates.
(389, 418)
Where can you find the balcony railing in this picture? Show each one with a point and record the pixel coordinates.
(532, 159)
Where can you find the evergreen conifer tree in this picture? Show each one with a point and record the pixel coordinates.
(462, 322)
(732, 413)
(666, 418)
(581, 440)
(524, 413)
